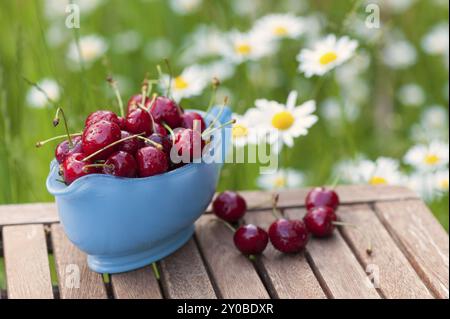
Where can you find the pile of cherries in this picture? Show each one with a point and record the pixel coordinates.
(140, 143)
(286, 235)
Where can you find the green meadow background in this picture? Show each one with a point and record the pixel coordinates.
(25, 53)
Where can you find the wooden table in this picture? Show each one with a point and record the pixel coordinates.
(410, 257)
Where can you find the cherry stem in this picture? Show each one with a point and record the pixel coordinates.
(156, 271)
(369, 249)
(111, 145)
(115, 87)
(171, 132)
(41, 143)
(209, 132)
(226, 224)
(275, 211)
(215, 83)
(153, 143)
(214, 121)
(169, 68)
(56, 122)
(144, 91)
(86, 167)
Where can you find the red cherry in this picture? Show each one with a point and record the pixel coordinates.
(162, 140)
(320, 197)
(130, 146)
(250, 239)
(102, 115)
(63, 150)
(320, 221)
(188, 118)
(98, 136)
(159, 129)
(288, 236)
(122, 122)
(74, 168)
(165, 110)
(151, 161)
(121, 164)
(189, 144)
(139, 121)
(135, 101)
(229, 206)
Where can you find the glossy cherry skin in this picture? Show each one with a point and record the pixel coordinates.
(288, 236)
(139, 121)
(165, 110)
(159, 129)
(74, 167)
(320, 221)
(320, 197)
(188, 118)
(101, 115)
(250, 239)
(130, 146)
(229, 206)
(121, 164)
(164, 141)
(151, 161)
(63, 150)
(135, 101)
(98, 136)
(188, 144)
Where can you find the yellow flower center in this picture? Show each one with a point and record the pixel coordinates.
(283, 120)
(280, 182)
(431, 159)
(444, 184)
(243, 48)
(327, 58)
(378, 180)
(180, 83)
(239, 131)
(280, 31)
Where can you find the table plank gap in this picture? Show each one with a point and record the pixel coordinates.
(286, 276)
(421, 238)
(338, 266)
(26, 262)
(396, 278)
(234, 274)
(138, 284)
(75, 279)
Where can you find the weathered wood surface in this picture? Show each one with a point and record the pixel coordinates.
(410, 256)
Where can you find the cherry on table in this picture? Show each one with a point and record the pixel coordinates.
(98, 136)
(188, 118)
(121, 164)
(63, 149)
(102, 115)
(288, 236)
(320, 197)
(250, 239)
(320, 221)
(73, 167)
(151, 161)
(139, 121)
(165, 110)
(229, 206)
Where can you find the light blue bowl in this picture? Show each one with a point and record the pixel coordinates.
(124, 224)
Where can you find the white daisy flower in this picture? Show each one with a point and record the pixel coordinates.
(38, 99)
(282, 179)
(190, 82)
(204, 42)
(349, 170)
(277, 26)
(423, 184)
(248, 46)
(383, 171)
(245, 130)
(223, 70)
(411, 94)
(326, 54)
(286, 122)
(91, 48)
(441, 181)
(399, 54)
(433, 125)
(185, 6)
(436, 41)
(428, 157)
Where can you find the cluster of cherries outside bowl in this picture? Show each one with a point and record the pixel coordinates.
(154, 136)
(286, 235)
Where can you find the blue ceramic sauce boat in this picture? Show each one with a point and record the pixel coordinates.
(124, 224)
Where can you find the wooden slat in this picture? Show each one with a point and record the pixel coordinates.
(26, 262)
(138, 284)
(40, 213)
(184, 275)
(287, 276)
(75, 280)
(340, 271)
(423, 240)
(233, 273)
(396, 277)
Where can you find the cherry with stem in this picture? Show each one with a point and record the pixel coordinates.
(42, 143)
(111, 145)
(66, 127)
(149, 141)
